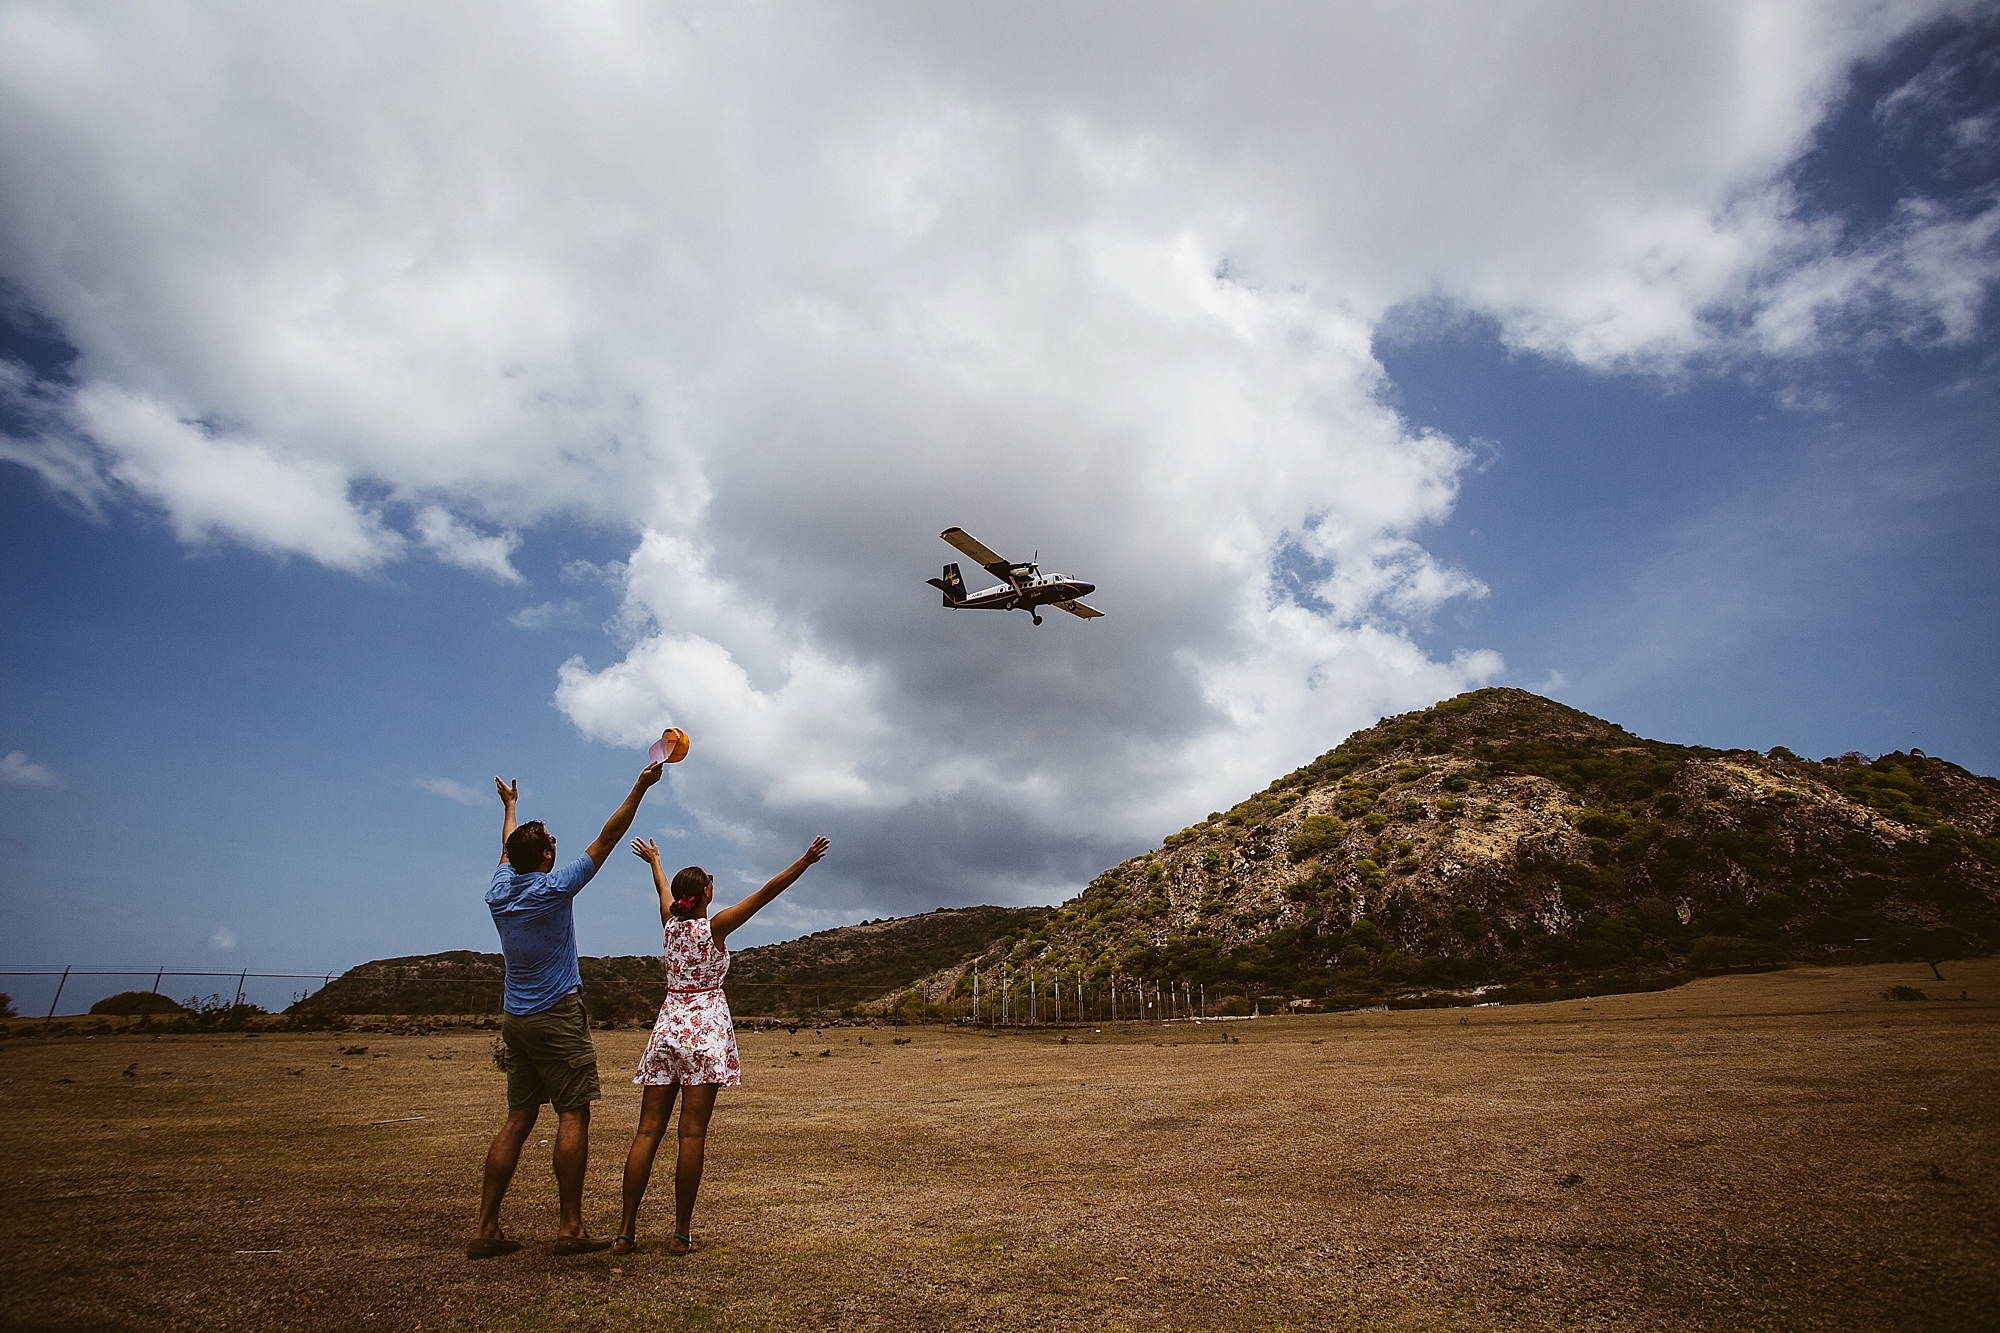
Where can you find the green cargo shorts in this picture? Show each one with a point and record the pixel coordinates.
(550, 1057)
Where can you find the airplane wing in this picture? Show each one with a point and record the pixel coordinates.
(980, 551)
(1079, 610)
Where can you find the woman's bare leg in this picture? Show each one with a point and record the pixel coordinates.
(656, 1109)
(696, 1108)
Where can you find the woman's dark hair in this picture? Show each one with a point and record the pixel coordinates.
(687, 886)
(528, 846)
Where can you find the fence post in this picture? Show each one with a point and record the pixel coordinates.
(58, 1000)
(239, 987)
(147, 1017)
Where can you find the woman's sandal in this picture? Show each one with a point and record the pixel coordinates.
(631, 1244)
(685, 1240)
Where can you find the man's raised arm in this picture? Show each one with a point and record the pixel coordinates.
(510, 797)
(621, 819)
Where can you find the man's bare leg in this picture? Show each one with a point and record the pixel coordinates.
(697, 1105)
(572, 1156)
(501, 1159)
(656, 1110)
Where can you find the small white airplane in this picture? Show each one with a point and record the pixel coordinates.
(1023, 585)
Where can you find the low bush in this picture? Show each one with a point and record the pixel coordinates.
(136, 1003)
(1721, 951)
(1317, 835)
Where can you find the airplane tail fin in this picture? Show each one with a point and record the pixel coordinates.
(951, 585)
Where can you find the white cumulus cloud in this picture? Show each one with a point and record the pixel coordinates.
(459, 544)
(451, 791)
(17, 770)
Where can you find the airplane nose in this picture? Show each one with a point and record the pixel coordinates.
(1085, 589)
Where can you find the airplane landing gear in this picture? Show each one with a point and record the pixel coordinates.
(1037, 616)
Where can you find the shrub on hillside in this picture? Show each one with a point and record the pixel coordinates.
(1656, 916)
(1720, 951)
(1317, 835)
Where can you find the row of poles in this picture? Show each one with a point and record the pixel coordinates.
(1135, 999)
(1012, 1004)
(242, 979)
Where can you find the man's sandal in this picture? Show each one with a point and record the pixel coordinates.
(480, 1247)
(581, 1244)
(631, 1244)
(685, 1240)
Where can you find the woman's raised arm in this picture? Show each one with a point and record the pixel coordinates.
(729, 918)
(647, 851)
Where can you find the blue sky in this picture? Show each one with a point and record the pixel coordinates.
(376, 423)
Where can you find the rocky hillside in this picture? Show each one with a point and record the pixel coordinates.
(837, 968)
(853, 964)
(1502, 840)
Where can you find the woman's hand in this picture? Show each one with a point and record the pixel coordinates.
(729, 918)
(646, 851)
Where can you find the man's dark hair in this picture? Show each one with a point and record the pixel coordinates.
(528, 846)
(687, 887)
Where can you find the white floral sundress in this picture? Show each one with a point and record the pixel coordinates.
(693, 1039)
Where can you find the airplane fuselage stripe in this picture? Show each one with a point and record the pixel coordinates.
(1035, 594)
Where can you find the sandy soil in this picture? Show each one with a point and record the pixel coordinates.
(1786, 1150)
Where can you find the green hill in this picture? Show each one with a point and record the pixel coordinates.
(1502, 840)
(1497, 844)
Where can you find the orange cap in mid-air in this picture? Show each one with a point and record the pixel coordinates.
(672, 747)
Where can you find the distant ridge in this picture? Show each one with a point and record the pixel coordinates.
(1503, 840)
(832, 969)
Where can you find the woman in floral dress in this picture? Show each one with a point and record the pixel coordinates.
(693, 1048)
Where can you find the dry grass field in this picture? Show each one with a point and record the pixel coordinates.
(1786, 1150)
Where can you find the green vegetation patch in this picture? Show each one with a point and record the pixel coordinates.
(1317, 836)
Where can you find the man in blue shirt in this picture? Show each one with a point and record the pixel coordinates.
(549, 1055)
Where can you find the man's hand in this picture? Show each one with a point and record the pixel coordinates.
(816, 851)
(649, 775)
(646, 850)
(510, 796)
